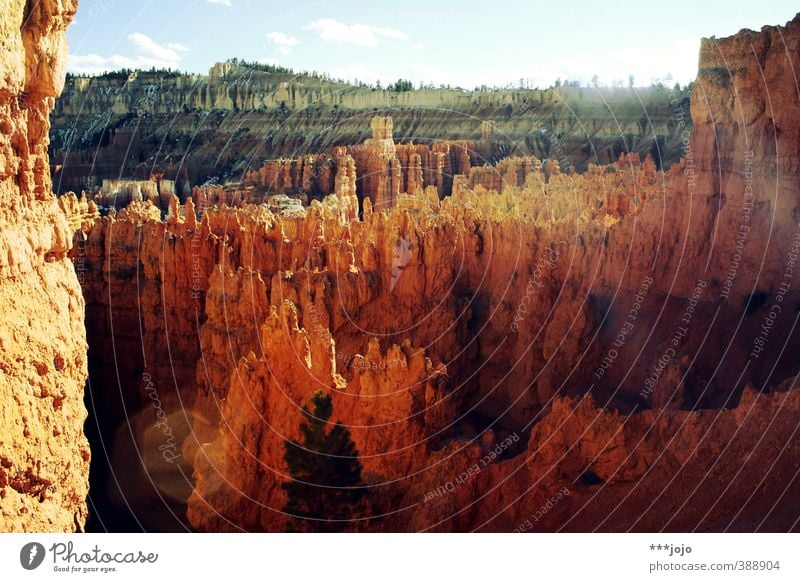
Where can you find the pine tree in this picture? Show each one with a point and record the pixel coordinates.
(326, 473)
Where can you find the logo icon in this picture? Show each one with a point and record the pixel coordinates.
(31, 555)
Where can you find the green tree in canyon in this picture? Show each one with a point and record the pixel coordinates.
(326, 473)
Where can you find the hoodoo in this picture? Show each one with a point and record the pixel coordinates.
(403, 310)
(533, 328)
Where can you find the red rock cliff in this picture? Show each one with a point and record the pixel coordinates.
(444, 329)
(44, 456)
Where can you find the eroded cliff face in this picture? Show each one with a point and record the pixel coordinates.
(224, 125)
(533, 335)
(378, 169)
(44, 456)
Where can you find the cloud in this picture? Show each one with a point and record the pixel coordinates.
(332, 30)
(149, 54)
(176, 46)
(282, 39)
(150, 49)
(285, 42)
(227, 3)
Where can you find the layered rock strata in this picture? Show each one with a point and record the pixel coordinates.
(194, 127)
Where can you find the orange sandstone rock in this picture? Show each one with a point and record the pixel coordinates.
(44, 456)
(444, 328)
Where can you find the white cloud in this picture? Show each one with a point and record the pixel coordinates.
(221, 2)
(332, 30)
(149, 54)
(269, 61)
(94, 64)
(282, 39)
(285, 42)
(176, 46)
(150, 49)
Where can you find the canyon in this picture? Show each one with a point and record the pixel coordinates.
(191, 129)
(513, 339)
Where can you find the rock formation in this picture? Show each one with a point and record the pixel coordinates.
(192, 128)
(492, 335)
(44, 456)
(382, 170)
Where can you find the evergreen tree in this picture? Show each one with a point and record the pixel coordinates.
(326, 473)
(401, 85)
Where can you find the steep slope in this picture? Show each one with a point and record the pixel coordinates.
(44, 456)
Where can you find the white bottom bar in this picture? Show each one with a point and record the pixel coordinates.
(403, 557)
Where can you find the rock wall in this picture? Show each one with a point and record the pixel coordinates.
(227, 123)
(44, 456)
(535, 333)
(381, 170)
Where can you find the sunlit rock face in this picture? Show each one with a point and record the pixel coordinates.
(493, 336)
(44, 456)
(191, 128)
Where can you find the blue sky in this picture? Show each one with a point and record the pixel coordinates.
(466, 43)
